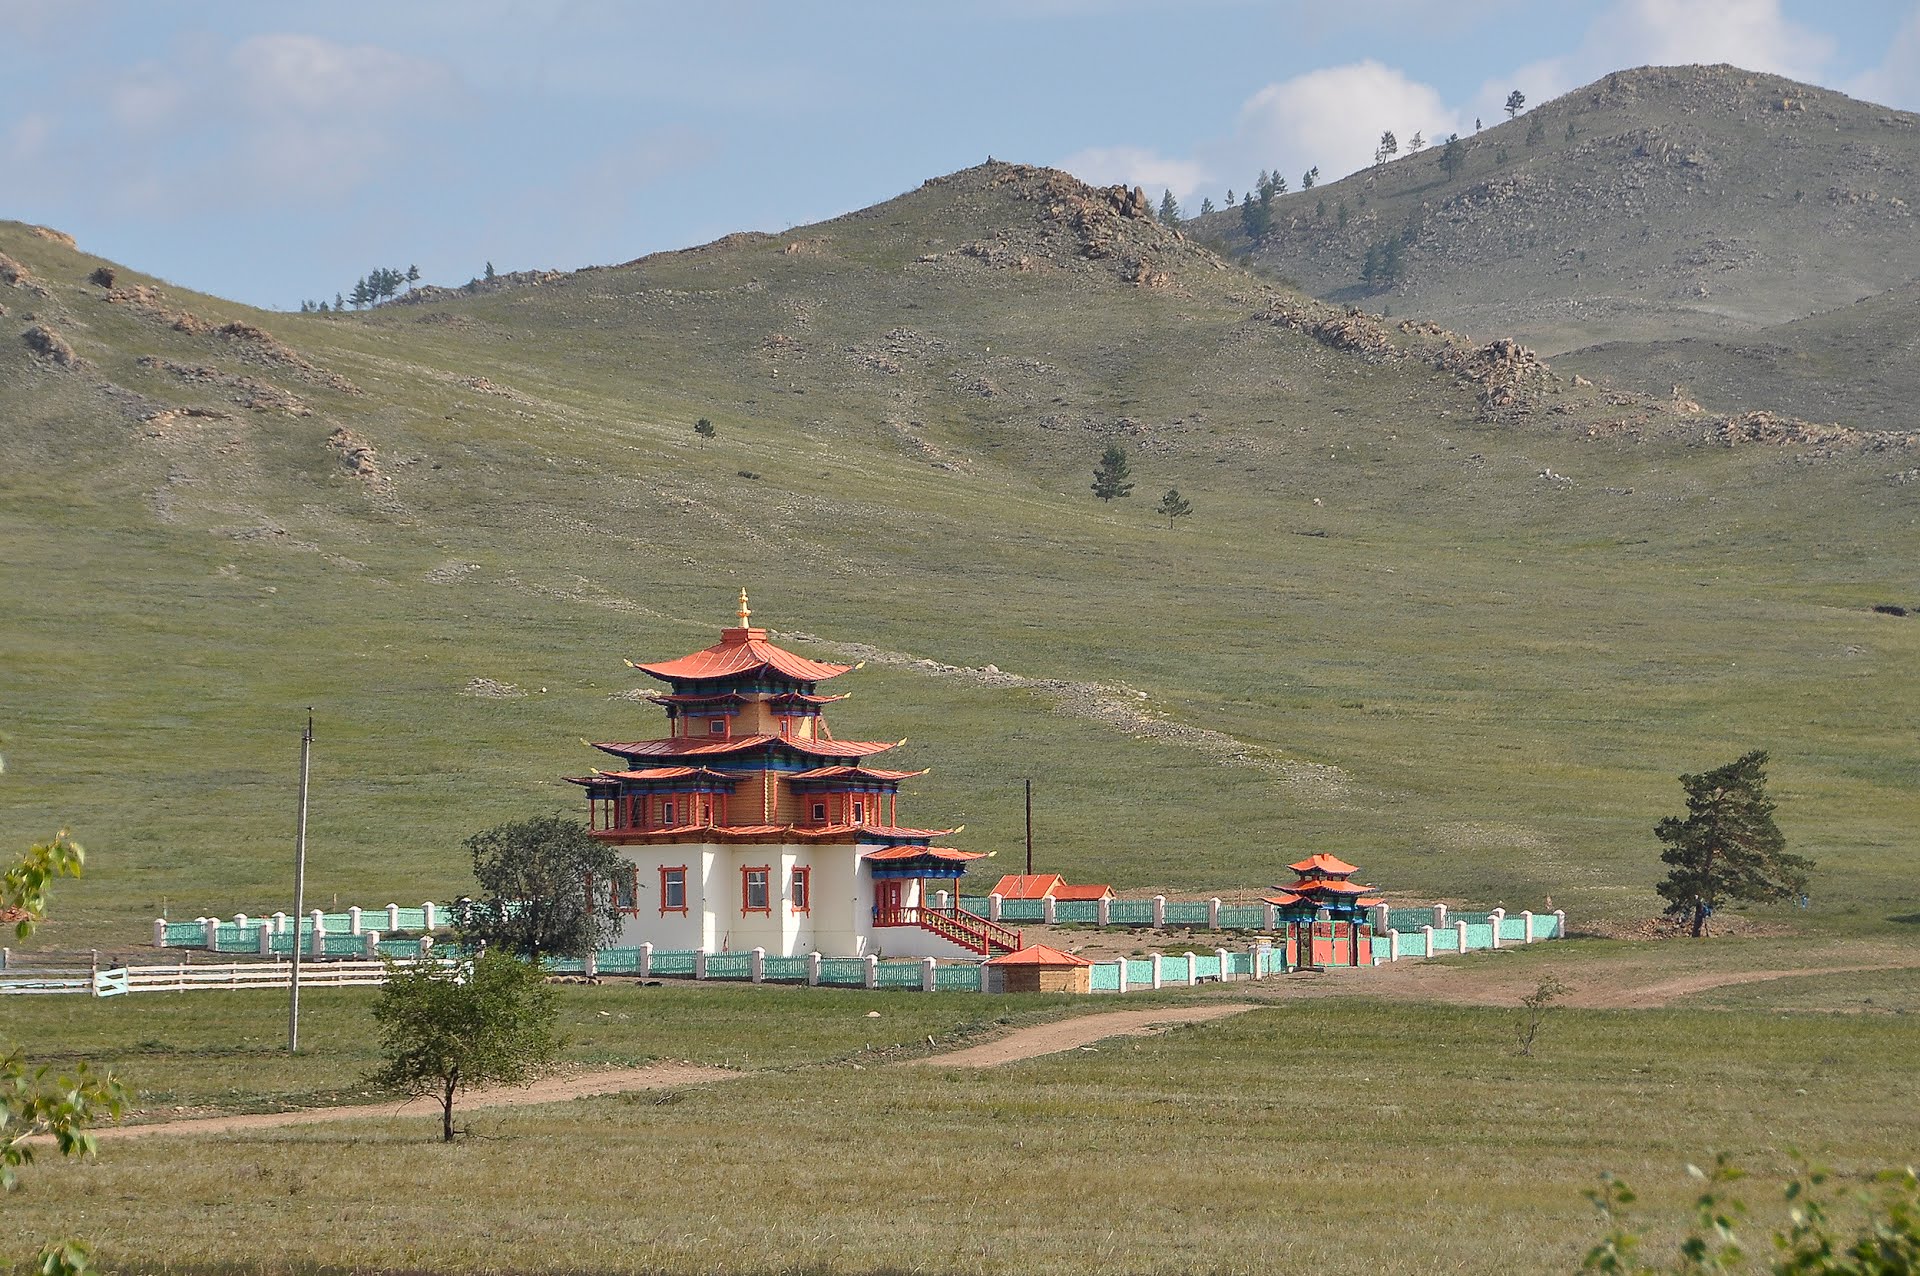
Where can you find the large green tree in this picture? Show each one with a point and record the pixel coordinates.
(546, 886)
(445, 1029)
(1726, 847)
(1110, 476)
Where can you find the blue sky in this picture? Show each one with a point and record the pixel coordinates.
(270, 151)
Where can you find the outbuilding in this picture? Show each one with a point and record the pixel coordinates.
(1040, 969)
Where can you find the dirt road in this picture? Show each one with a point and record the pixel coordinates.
(1071, 1034)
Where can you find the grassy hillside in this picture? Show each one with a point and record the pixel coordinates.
(1436, 610)
(1858, 365)
(1654, 204)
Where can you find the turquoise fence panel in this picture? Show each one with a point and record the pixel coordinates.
(899, 974)
(1130, 912)
(956, 978)
(181, 934)
(416, 918)
(672, 963)
(1187, 913)
(1479, 935)
(1382, 948)
(399, 949)
(786, 970)
(1077, 910)
(1446, 940)
(564, 965)
(1139, 972)
(730, 966)
(1104, 977)
(1243, 917)
(843, 970)
(1022, 910)
(1513, 928)
(1546, 926)
(1206, 966)
(617, 961)
(1239, 963)
(1413, 944)
(228, 938)
(975, 904)
(345, 945)
(1406, 919)
(1471, 919)
(281, 945)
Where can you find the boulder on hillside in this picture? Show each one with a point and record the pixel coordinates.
(50, 345)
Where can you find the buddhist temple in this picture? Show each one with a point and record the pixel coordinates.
(1325, 912)
(748, 825)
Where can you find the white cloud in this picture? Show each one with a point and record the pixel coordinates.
(1138, 166)
(1333, 118)
(1896, 81)
(1753, 34)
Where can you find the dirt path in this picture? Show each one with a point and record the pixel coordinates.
(553, 1090)
(1071, 1034)
(1666, 991)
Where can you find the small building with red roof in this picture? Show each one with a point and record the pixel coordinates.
(1039, 969)
(748, 825)
(1046, 886)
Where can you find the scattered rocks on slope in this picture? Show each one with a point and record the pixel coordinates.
(50, 345)
(488, 689)
(102, 276)
(358, 455)
(60, 237)
(16, 275)
(1511, 378)
(248, 392)
(249, 341)
(163, 422)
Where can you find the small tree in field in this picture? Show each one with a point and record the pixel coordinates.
(1727, 846)
(1515, 100)
(703, 428)
(1173, 506)
(444, 1029)
(547, 884)
(1452, 155)
(1110, 476)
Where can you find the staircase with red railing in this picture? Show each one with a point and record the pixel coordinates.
(957, 926)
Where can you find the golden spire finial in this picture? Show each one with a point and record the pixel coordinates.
(745, 611)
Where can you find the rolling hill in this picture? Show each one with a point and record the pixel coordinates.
(1438, 609)
(1652, 205)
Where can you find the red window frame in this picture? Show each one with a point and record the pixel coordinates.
(632, 907)
(665, 872)
(801, 889)
(766, 889)
(819, 812)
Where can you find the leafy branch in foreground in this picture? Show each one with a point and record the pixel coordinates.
(1807, 1245)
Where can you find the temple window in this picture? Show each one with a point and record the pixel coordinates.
(626, 891)
(859, 812)
(716, 726)
(753, 890)
(666, 815)
(802, 889)
(673, 889)
(819, 812)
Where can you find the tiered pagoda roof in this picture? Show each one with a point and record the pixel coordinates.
(1323, 884)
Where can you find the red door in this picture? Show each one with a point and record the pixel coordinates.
(1324, 947)
(887, 894)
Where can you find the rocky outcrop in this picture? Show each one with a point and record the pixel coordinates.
(249, 342)
(356, 453)
(51, 346)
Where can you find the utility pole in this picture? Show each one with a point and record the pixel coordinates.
(1029, 828)
(300, 883)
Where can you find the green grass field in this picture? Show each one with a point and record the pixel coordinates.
(1340, 1133)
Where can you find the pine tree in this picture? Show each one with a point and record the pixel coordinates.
(1310, 178)
(1230, 199)
(1515, 100)
(1173, 506)
(1416, 144)
(489, 274)
(1727, 847)
(1279, 183)
(1388, 148)
(1110, 476)
(703, 428)
(413, 277)
(339, 302)
(1453, 155)
(1169, 209)
(1256, 215)
(1206, 206)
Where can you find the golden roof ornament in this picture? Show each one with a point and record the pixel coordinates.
(745, 611)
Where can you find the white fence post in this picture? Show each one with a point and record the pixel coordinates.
(1526, 924)
(393, 918)
(1426, 936)
(1393, 945)
(266, 939)
(646, 959)
(986, 977)
(813, 970)
(757, 965)
(1221, 953)
(940, 900)
(1159, 915)
(1157, 973)
(1273, 917)
(210, 934)
(1253, 961)
(159, 932)
(927, 977)
(1559, 923)
(993, 907)
(1499, 918)
(1213, 913)
(1103, 909)
(1123, 975)
(871, 978)
(699, 963)
(353, 920)
(279, 923)
(1460, 930)
(318, 942)
(1380, 918)
(1049, 912)
(319, 920)
(1439, 916)
(1193, 970)
(373, 947)
(590, 967)
(241, 920)
(427, 908)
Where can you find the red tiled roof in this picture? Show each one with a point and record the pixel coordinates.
(742, 651)
(655, 773)
(1074, 894)
(703, 746)
(945, 854)
(1282, 900)
(852, 773)
(888, 833)
(1312, 885)
(668, 697)
(1324, 863)
(1038, 955)
(1022, 886)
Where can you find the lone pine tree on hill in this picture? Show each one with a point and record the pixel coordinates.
(1173, 506)
(1169, 209)
(1727, 847)
(1515, 100)
(1110, 476)
(703, 428)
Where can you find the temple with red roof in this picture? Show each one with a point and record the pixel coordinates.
(750, 826)
(1325, 912)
